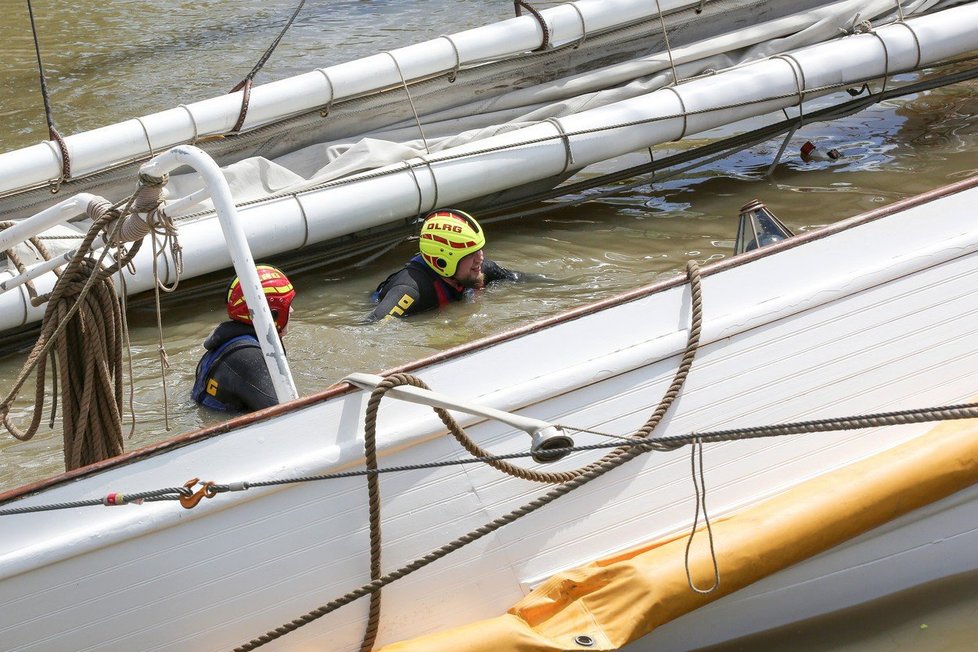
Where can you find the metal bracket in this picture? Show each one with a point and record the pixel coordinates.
(546, 437)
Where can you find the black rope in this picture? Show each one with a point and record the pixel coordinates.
(268, 53)
(40, 67)
(156, 495)
(518, 6)
(246, 83)
(52, 129)
(659, 444)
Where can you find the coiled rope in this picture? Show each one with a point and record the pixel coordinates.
(82, 335)
(567, 483)
(81, 324)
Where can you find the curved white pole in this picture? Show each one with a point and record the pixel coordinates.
(549, 440)
(49, 217)
(241, 258)
(36, 271)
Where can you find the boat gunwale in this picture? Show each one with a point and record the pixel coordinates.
(342, 388)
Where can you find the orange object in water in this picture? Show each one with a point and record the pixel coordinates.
(809, 153)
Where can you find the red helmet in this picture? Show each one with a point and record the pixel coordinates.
(278, 292)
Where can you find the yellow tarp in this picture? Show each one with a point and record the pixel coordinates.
(620, 599)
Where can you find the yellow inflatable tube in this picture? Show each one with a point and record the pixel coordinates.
(617, 600)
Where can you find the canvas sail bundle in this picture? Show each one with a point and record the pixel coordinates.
(485, 116)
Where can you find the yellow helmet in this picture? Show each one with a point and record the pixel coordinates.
(447, 236)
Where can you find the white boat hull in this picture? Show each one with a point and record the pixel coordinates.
(859, 318)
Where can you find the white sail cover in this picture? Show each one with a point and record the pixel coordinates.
(486, 114)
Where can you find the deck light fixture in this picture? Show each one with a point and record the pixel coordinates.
(758, 227)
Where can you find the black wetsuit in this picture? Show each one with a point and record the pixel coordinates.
(417, 288)
(232, 375)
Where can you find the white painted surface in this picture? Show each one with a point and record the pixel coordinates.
(491, 165)
(877, 317)
(93, 150)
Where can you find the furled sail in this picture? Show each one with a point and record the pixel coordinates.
(487, 116)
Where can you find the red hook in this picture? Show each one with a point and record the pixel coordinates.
(206, 491)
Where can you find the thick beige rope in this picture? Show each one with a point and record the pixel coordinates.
(81, 335)
(567, 482)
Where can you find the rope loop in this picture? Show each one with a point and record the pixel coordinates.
(417, 186)
(682, 108)
(916, 41)
(800, 84)
(434, 184)
(699, 486)
(149, 141)
(453, 73)
(65, 159)
(193, 123)
(566, 482)
(324, 112)
(580, 15)
(565, 139)
(886, 60)
(244, 86)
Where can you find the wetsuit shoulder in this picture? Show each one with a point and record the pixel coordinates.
(227, 331)
(397, 296)
(232, 374)
(243, 375)
(411, 290)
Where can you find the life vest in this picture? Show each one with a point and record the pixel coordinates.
(444, 292)
(205, 387)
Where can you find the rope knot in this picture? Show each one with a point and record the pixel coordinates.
(100, 211)
(149, 180)
(860, 27)
(149, 196)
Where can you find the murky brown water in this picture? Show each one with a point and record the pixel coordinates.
(110, 61)
(937, 617)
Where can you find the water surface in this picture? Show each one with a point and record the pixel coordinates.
(106, 62)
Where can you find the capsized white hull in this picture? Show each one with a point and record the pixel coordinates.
(573, 29)
(390, 197)
(868, 316)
